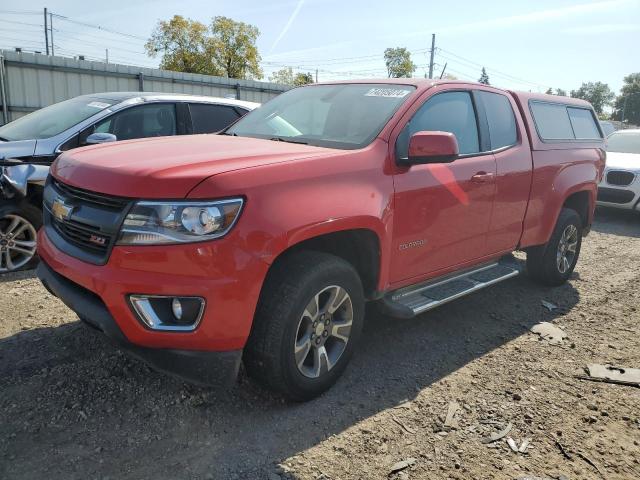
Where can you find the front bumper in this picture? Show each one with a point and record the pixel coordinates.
(201, 367)
(626, 197)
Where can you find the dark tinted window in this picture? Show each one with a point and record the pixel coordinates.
(211, 118)
(152, 120)
(583, 122)
(501, 120)
(447, 112)
(552, 121)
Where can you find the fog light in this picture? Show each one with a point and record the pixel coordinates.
(168, 313)
(176, 307)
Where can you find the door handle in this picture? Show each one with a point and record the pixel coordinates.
(482, 177)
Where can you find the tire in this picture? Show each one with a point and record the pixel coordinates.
(544, 262)
(284, 321)
(28, 216)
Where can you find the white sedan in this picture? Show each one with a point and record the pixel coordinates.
(620, 186)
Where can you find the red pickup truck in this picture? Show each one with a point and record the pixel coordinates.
(263, 243)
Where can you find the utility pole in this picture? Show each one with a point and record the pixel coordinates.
(106, 51)
(443, 69)
(433, 49)
(51, 27)
(46, 29)
(316, 75)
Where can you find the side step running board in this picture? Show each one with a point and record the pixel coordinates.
(411, 301)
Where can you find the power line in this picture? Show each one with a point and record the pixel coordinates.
(98, 27)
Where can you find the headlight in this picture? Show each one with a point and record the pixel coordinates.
(152, 223)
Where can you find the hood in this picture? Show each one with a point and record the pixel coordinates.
(623, 161)
(169, 167)
(17, 148)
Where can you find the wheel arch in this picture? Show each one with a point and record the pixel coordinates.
(360, 247)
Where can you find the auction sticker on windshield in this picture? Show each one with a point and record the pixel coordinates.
(100, 105)
(387, 92)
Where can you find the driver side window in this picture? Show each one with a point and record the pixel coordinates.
(447, 112)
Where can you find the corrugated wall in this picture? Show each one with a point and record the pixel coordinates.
(33, 81)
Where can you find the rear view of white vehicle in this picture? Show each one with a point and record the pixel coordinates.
(620, 185)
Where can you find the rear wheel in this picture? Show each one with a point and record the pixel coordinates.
(553, 263)
(307, 325)
(19, 224)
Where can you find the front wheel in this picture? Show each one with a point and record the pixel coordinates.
(552, 264)
(307, 325)
(19, 224)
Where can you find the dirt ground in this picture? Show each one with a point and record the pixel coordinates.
(72, 406)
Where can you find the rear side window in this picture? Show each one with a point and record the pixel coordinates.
(501, 120)
(584, 125)
(207, 118)
(552, 121)
(561, 122)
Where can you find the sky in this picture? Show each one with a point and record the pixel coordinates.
(524, 45)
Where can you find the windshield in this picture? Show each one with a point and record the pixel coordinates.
(346, 116)
(54, 119)
(624, 142)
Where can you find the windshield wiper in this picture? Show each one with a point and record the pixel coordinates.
(281, 139)
(227, 133)
(2, 139)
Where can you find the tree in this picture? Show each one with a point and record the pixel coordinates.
(225, 48)
(182, 43)
(549, 91)
(285, 76)
(232, 47)
(560, 92)
(398, 61)
(303, 78)
(597, 94)
(484, 78)
(627, 106)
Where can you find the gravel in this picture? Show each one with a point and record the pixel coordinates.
(73, 406)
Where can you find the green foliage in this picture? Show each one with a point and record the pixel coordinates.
(398, 61)
(549, 91)
(232, 48)
(484, 77)
(629, 100)
(303, 78)
(182, 43)
(224, 48)
(597, 94)
(283, 76)
(286, 76)
(560, 92)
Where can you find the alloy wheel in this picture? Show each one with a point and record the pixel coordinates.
(17, 242)
(567, 248)
(323, 331)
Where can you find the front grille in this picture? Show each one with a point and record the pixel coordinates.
(615, 195)
(89, 225)
(71, 193)
(83, 236)
(620, 178)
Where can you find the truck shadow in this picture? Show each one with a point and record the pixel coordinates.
(612, 221)
(68, 389)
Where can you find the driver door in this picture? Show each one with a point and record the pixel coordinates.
(442, 211)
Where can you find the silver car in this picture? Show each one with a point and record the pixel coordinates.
(29, 144)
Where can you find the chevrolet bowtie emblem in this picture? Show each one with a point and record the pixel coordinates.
(61, 210)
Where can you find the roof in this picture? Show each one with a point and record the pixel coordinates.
(123, 96)
(632, 131)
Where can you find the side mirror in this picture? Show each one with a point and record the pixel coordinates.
(96, 138)
(432, 147)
